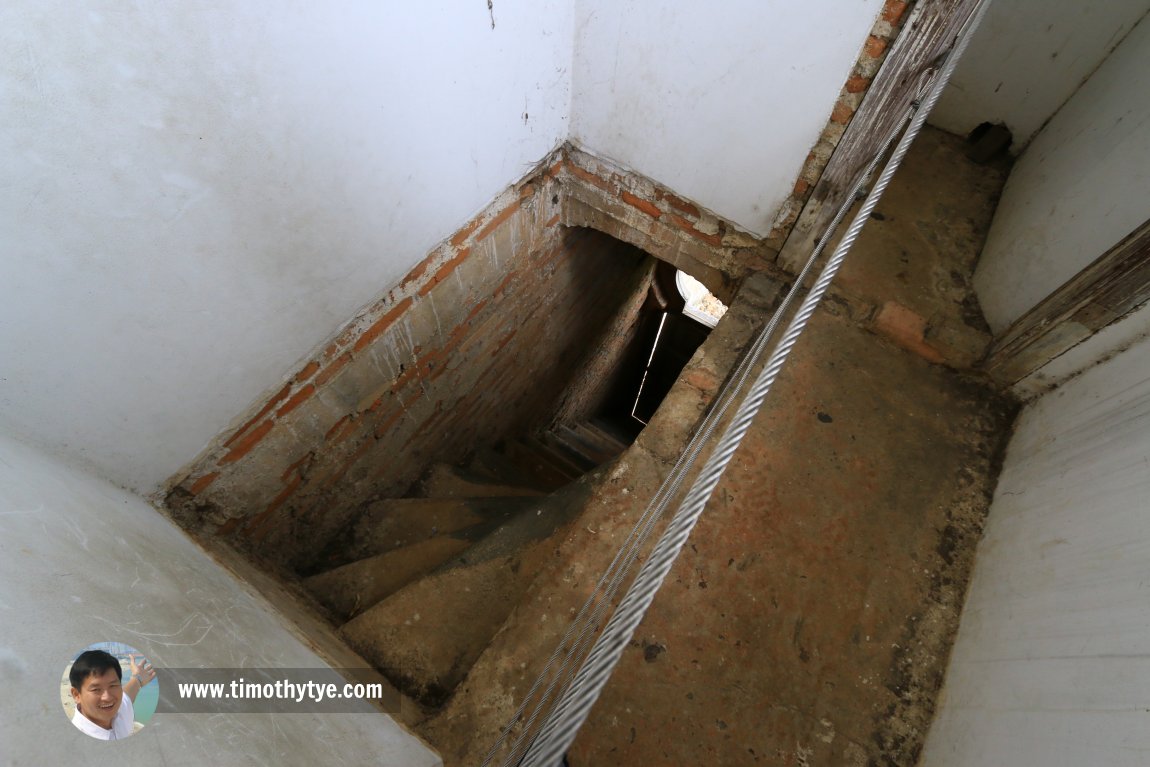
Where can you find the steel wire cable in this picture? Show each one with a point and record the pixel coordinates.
(571, 711)
(608, 584)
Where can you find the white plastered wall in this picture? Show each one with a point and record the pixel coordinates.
(196, 196)
(82, 561)
(1051, 665)
(720, 102)
(1079, 188)
(1027, 59)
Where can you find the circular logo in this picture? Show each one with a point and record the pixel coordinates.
(109, 691)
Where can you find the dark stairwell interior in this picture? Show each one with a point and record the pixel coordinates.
(578, 343)
(419, 584)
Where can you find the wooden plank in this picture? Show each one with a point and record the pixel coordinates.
(1116, 283)
(929, 32)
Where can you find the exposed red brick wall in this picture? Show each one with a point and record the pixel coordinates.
(639, 211)
(479, 340)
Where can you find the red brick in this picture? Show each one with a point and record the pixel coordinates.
(553, 171)
(308, 371)
(680, 204)
(296, 400)
(875, 46)
(701, 379)
(842, 113)
(250, 440)
(588, 176)
(336, 427)
(259, 416)
(298, 468)
(500, 217)
(461, 236)
(907, 329)
(893, 11)
(258, 528)
(445, 270)
(503, 342)
(405, 376)
(802, 186)
(857, 84)
(420, 268)
(714, 240)
(475, 310)
(437, 369)
(344, 339)
(330, 371)
(227, 527)
(349, 428)
(201, 484)
(506, 281)
(382, 324)
(644, 205)
(552, 221)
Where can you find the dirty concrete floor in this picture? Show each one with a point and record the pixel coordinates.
(809, 620)
(922, 241)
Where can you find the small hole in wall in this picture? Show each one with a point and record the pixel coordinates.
(987, 142)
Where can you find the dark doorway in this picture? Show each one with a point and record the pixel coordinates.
(675, 319)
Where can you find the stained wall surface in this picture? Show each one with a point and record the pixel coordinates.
(198, 196)
(82, 561)
(1078, 189)
(1050, 665)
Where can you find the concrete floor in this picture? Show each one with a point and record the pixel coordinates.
(810, 617)
(809, 620)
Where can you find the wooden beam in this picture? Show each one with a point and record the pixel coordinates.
(930, 31)
(1116, 283)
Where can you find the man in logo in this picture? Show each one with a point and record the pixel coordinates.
(103, 703)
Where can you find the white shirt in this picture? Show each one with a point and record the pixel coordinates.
(121, 724)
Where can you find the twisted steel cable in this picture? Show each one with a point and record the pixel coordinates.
(605, 589)
(571, 711)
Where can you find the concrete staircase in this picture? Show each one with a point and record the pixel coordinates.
(422, 583)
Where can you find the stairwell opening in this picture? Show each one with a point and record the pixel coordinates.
(468, 536)
(420, 464)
